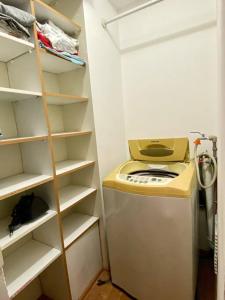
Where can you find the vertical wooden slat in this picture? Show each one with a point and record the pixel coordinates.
(50, 141)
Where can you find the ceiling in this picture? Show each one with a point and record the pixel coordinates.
(121, 5)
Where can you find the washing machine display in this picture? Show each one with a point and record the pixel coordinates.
(144, 180)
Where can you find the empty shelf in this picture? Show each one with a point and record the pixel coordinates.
(69, 134)
(74, 225)
(15, 184)
(8, 94)
(72, 194)
(69, 166)
(62, 99)
(19, 140)
(44, 12)
(55, 64)
(26, 263)
(12, 47)
(6, 240)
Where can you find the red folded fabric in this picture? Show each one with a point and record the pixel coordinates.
(44, 40)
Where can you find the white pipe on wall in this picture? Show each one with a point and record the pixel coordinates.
(129, 12)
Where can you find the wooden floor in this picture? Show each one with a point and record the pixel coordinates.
(206, 286)
(106, 291)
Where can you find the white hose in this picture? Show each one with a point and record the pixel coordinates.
(213, 160)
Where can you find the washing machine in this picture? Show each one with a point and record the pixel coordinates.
(151, 213)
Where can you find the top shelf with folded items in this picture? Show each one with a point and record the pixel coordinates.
(15, 32)
(60, 52)
(44, 13)
(57, 64)
(61, 48)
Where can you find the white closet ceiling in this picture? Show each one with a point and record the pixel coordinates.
(121, 5)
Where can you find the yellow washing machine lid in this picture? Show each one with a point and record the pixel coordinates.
(160, 150)
(172, 152)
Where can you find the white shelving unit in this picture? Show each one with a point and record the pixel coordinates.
(44, 12)
(73, 194)
(70, 134)
(20, 140)
(9, 94)
(63, 99)
(12, 47)
(55, 64)
(75, 225)
(16, 184)
(70, 166)
(48, 147)
(26, 263)
(6, 240)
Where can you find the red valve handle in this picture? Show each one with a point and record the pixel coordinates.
(197, 142)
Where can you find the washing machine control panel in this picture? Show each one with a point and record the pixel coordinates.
(148, 180)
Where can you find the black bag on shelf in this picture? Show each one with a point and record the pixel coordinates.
(27, 209)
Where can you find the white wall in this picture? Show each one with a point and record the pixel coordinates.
(106, 85)
(168, 57)
(169, 71)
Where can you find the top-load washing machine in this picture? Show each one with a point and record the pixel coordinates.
(151, 221)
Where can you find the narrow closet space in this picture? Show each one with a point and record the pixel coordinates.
(154, 66)
(50, 204)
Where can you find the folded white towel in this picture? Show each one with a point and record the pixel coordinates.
(59, 39)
